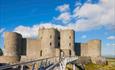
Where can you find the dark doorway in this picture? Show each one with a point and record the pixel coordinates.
(69, 52)
(41, 53)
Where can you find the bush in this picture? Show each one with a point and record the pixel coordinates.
(1, 53)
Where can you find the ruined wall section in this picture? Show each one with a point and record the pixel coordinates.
(84, 49)
(33, 48)
(94, 48)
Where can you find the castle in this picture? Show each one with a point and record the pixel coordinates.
(51, 42)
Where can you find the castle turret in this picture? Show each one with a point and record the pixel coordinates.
(12, 42)
(67, 41)
(49, 42)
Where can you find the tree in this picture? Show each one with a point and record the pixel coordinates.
(1, 53)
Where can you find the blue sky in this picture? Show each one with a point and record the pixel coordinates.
(91, 19)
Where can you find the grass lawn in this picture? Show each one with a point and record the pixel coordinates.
(91, 66)
(99, 67)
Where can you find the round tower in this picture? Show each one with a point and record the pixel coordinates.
(48, 42)
(12, 43)
(94, 48)
(67, 41)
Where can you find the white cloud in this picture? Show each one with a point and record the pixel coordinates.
(63, 8)
(64, 17)
(91, 16)
(88, 10)
(111, 38)
(25, 31)
(28, 32)
(96, 15)
(1, 30)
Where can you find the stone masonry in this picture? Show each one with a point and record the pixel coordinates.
(50, 42)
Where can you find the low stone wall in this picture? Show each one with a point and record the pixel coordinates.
(99, 60)
(84, 60)
(9, 59)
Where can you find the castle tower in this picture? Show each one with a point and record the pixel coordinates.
(94, 48)
(12, 42)
(49, 42)
(67, 41)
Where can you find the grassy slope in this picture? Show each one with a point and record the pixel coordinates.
(99, 67)
(96, 66)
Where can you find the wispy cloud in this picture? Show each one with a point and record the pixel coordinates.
(65, 17)
(110, 44)
(1, 30)
(111, 38)
(63, 8)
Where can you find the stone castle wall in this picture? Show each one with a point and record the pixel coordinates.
(84, 49)
(51, 42)
(33, 48)
(94, 48)
(9, 59)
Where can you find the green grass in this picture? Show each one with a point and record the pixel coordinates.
(110, 66)
(99, 67)
(91, 66)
